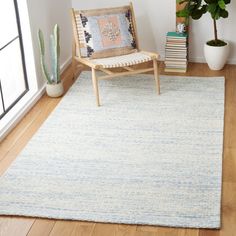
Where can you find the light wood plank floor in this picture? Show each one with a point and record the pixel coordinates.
(18, 138)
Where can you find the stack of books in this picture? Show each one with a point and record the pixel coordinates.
(176, 53)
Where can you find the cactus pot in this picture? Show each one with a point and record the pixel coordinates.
(55, 90)
(216, 57)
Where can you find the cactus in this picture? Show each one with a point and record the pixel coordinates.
(54, 55)
(42, 57)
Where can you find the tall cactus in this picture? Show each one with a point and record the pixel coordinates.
(42, 57)
(54, 55)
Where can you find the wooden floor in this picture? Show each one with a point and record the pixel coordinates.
(18, 138)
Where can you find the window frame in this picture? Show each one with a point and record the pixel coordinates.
(6, 110)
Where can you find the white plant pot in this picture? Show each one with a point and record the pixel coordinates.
(55, 90)
(216, 57)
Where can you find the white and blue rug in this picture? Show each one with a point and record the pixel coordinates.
(138, 159)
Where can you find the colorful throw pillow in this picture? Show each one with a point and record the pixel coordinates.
(107, 32)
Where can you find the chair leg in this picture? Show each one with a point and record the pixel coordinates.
(74, 66)
(156, 75)
(74, 63)
(95, 86)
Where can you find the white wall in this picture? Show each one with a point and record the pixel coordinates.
(44, 14)
(156, 17)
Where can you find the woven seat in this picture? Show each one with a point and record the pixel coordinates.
(124, 60)
(107, 46)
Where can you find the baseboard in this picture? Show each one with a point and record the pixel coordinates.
(231, 61)
(31, 102)
(65, 65)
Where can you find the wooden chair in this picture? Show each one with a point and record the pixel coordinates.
(122, 62)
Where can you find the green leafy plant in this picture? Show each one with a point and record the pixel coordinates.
(54, 55)
(197, 8)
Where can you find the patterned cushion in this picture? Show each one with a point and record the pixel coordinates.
(107, 32)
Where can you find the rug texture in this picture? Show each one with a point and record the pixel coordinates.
(138, 159)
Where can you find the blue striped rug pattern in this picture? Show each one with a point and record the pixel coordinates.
(138, 159)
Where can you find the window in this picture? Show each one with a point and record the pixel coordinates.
(13, 76)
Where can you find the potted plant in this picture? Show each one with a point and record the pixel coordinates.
(54, 86)
(216, 51)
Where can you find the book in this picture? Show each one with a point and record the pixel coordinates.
(176, 59)
(175, 45)
(176, 52)
(176, 35)
(178, 67)
(181, 70)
